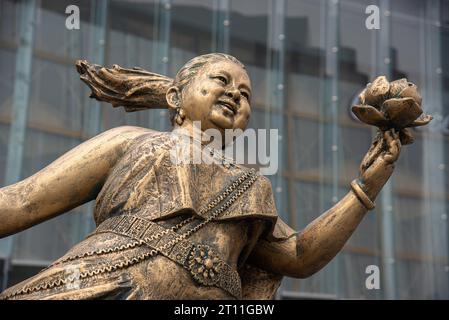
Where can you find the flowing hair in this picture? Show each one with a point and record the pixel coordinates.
(137, 89)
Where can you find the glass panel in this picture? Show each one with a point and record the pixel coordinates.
(190, 31)
(9, 20)
(7, 62)
(4, 136)
(290, 53)
(130, 43)
(50, 240)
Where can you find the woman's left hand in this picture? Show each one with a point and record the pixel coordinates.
(378, 164)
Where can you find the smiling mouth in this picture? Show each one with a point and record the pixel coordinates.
(231, 107)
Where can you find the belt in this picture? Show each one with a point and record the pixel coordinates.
(204, 264)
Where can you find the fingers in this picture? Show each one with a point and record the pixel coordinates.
(373, 152)
(393, 144)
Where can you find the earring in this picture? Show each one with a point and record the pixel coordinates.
(180, 116)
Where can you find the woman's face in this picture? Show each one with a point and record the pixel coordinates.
(219, 96)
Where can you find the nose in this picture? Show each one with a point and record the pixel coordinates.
(234, 94)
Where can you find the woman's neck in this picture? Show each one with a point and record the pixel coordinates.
(188, 129)
(194, 131)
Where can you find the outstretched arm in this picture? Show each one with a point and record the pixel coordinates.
(310, 250)
(73, 179)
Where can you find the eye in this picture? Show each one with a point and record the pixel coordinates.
(222, 79)
(245, 94)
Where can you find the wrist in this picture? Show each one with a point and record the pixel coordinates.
(371, 190)
(373, 180)
(362, 195)
(373, 186)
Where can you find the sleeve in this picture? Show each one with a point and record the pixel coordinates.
(280, 231)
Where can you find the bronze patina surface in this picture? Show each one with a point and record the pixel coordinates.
(189, 231)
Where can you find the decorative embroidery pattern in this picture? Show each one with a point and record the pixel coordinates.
(204, 265)
(174, 245)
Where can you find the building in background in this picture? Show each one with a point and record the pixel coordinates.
(308, 60)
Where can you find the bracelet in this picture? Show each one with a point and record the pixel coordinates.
(361, 195)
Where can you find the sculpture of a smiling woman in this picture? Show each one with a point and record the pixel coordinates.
(184, 231)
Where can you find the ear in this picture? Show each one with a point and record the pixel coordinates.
(173, 97)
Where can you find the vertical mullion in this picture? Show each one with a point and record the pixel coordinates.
(275, 99)
(78, 223)
(21, 92)
(92, 111)
(433, 148)
(386, 197)
(276, 79)
(92, 119)
(329, 131)
(20, 104)
(132, 60)
(220, 26)
(161, 54)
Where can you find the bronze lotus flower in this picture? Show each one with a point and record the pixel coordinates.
(388, 105)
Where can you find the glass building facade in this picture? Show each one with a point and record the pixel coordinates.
(308, 60)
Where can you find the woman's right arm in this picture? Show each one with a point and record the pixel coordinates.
(73, 179)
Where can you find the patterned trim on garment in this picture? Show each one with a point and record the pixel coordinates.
(231, 193)
(205, 265)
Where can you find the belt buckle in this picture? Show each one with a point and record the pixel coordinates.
(205, 265)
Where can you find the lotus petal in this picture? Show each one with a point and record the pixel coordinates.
(406, 137)
(377, 91)
(369, 115)
(401, 112)
(397, 86)
(412, 92)
(362, 96)
(421, 121)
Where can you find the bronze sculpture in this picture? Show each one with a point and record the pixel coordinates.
(192, 231)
